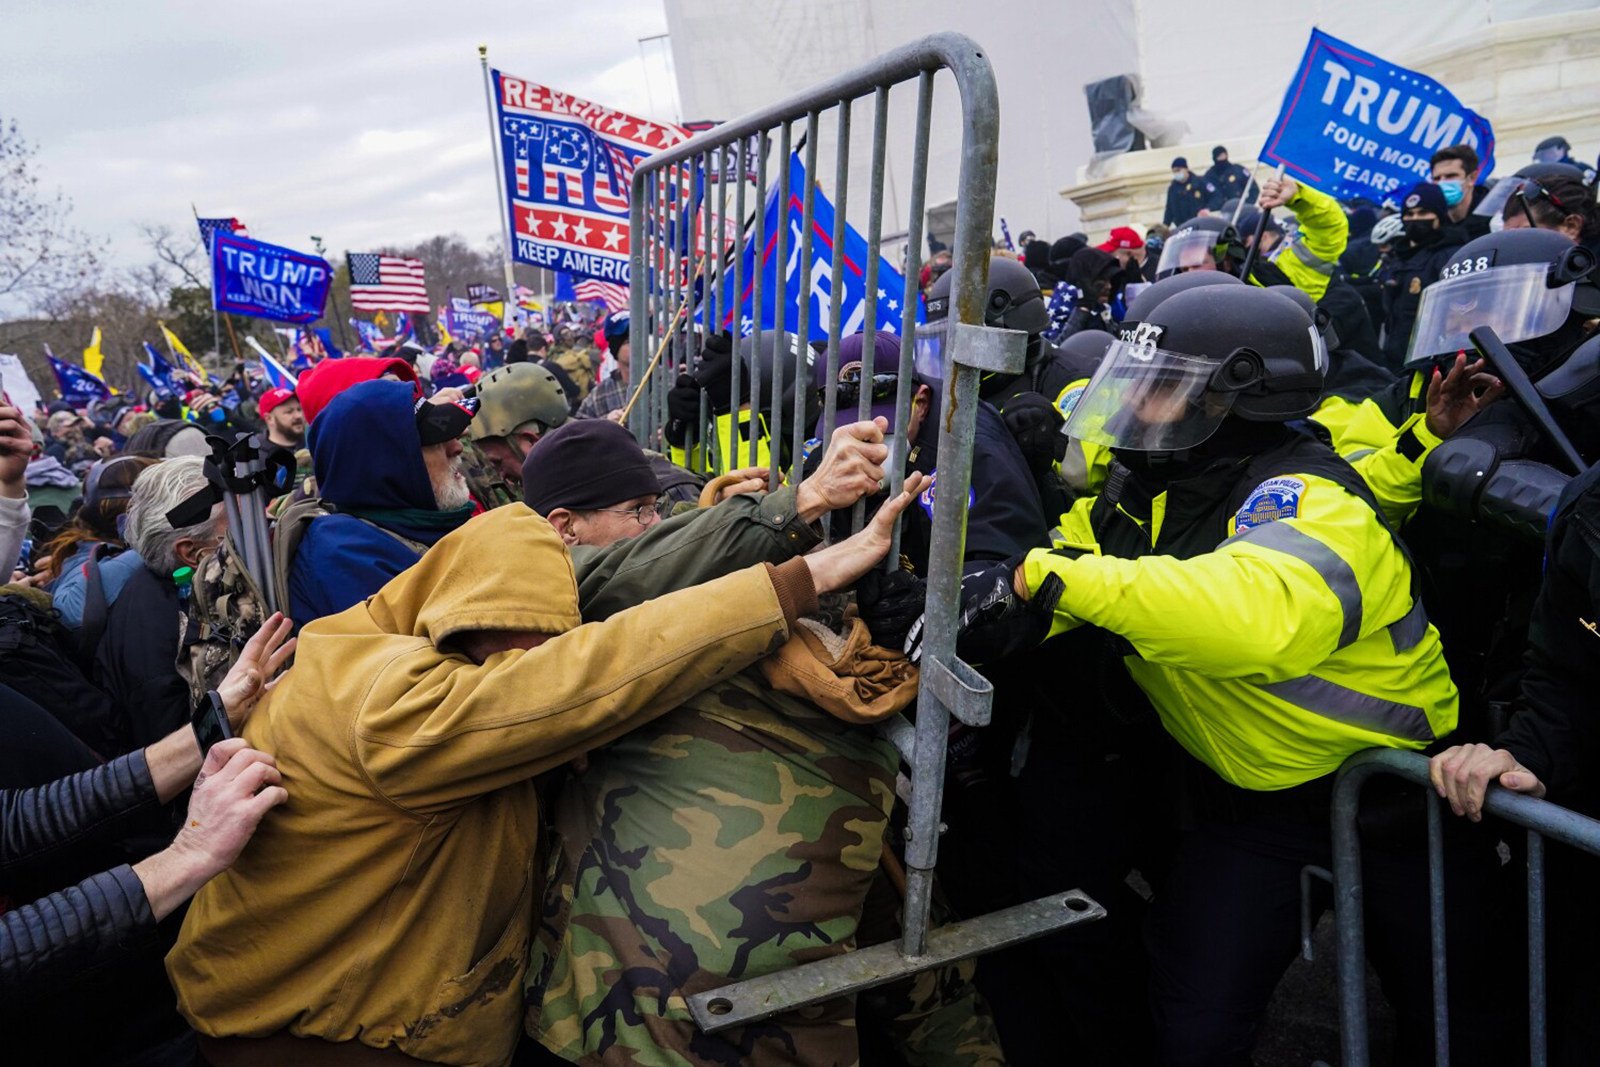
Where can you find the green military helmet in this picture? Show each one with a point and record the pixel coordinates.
(515, 395)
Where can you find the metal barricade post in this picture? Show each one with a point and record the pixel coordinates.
(949, 687)
(1541, 819)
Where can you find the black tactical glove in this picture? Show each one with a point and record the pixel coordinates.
(715, 372)
(683, 409)
(890, 605)
(1035, 424)
(995, 622)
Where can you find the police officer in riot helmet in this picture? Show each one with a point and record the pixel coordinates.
(1489, 488)
(1208, 558)
(1030, 402)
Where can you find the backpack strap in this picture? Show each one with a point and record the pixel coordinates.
(95, 608)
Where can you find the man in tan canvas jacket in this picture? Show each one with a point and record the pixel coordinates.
(384, 913)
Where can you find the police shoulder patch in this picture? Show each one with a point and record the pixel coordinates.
(925, 498)
(1069, 399)
(1273, 499)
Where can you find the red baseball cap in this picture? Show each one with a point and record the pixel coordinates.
(1123, 237)
(272, 398)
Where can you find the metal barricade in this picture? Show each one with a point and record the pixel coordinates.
(1539, 818)
(683, 248)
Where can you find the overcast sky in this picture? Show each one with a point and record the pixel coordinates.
(361, 121)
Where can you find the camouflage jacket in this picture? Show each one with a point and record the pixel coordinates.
(733, 837)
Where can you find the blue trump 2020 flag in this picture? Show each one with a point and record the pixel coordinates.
(818, 281)
(76, 385)
(1354, 124)
(267, 281)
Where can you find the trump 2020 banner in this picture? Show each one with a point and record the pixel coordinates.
(568, 167)
(817, 281)
(267, 281)
(1353, 124)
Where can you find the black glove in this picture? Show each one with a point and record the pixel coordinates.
(995, 622)
(715, 373)
(1035, 424)
(890, 605)
(683, 410)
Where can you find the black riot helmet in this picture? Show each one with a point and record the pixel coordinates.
(1153, 297)
(1013, 302)
(779, 353)
(1526, 181)
(1204, 243)
(1534, 288)
(1171, 381)
(1314, 311)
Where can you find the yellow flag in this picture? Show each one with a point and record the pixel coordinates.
(93, 358)
(179, 350)
(497, 309)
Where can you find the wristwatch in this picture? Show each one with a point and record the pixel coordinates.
(210, 722)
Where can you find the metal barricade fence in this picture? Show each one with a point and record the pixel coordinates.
(1541, 819)
(684, 246)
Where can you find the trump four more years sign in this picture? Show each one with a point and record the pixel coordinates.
(568, 170)
(267, 281)
(1353, 124)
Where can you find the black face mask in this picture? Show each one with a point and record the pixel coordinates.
(1422, 232)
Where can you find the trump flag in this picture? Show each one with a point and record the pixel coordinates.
(568, 167)
(816, 282)
(1355, 124)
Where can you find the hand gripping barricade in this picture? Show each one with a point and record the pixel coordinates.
(1541, 819)
(685, 250)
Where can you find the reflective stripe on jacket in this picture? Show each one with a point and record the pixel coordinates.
(1273, 623)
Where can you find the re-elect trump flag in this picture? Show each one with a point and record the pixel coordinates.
(817, 281)
(568, 166)
(1353, 124)
(267, 281)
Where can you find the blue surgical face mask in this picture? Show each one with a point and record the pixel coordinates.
(1453, 192)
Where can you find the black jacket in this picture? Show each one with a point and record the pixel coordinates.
(1227, 182)
(1185, 199)
(1555, 729)
(69, 932)
(136, 660)
(1412, 270)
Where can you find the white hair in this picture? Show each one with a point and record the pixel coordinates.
(157, 491)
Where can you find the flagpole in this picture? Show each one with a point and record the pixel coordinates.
(333, 290)
(216, 334)
(499, 181)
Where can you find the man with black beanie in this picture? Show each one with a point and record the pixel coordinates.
(593, 483)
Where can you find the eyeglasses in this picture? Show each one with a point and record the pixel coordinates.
(644, 514)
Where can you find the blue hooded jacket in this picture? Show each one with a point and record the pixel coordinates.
(367, 457)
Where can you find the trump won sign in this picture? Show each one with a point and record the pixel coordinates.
(267, 281)
(1354, 124)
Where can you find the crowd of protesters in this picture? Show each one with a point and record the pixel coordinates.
(556, 728)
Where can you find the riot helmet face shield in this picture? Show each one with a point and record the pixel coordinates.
(1147, 399)
(928, 360)
(1186, 250)
(1519, 302)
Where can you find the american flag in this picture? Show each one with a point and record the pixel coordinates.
(211, 226)
(387, 283)
(1063, 302)
(612, 295)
